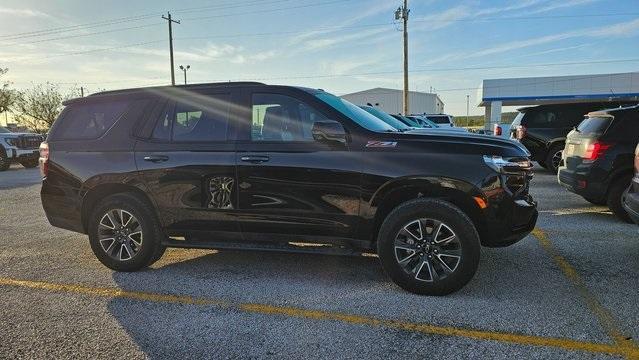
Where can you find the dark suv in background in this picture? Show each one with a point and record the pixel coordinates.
(543, 129)
(249, 165)
(599, 157)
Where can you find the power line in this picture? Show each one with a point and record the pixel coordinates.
(85, 35)
(267, 11)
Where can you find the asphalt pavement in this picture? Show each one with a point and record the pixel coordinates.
(567, 291)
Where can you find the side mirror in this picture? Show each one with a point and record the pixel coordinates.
(329, 131)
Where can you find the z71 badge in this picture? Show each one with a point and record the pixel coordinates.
(381, 144)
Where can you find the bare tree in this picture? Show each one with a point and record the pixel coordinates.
(38, 107)
(7, 95)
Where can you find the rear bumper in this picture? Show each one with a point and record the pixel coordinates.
(581, 183)
(630, 201)
(60, 207)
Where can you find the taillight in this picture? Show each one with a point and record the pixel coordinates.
(595, 150)
(520, 132)
(497, 130)
(44, 159)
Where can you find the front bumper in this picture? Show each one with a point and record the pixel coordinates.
(16, 154)
(510, 216)
(630, 200)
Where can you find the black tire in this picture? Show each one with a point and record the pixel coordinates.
(615, 195)
(467, 243)
(5, 163)
(151, 248)
(599, 202)
(553, 165)
(31, 163)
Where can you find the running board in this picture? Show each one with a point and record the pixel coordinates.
(290, 247)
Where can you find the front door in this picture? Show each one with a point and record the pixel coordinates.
(289, 183)
(188, 162)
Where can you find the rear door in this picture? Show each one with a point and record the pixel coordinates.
(188, 160)
(290, 184)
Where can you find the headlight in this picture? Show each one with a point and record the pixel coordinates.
(11, 141)
(507, 165)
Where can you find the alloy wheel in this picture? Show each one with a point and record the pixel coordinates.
(428, 250)
(556, 159)
(120, 234)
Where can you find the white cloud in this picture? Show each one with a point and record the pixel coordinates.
(22, 12)
(560, 5)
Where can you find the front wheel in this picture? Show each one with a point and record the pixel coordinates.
(553, 159)
(616, 193)
(429, 247)
(125, 234)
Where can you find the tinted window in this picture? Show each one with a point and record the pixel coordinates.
(541, 119)
(201, 118)
(89, 120)
(282, 118)
(354, 113)
(439, 119)
(594, 125)
(385, 117)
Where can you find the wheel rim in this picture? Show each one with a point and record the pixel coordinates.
(428, 250)
(556, 159)
(120, 234)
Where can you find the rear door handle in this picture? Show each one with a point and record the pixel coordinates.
(255, 158)
(156, 158)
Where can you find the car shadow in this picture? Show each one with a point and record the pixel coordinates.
(311, 281)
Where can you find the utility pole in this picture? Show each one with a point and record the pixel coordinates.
(184, 69)
(467, 109)
(402, 13)
(81, 91)
(171, 21)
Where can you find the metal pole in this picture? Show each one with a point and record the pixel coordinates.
(171, 21)
(405, 18)
(184, 76)
(467, 109)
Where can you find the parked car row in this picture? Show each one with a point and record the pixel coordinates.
(276, 168)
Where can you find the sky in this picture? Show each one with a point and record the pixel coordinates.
(340, 46)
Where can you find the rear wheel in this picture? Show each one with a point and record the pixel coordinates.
(553, 158)
(125, 234)
(615, 195)
(429, 247)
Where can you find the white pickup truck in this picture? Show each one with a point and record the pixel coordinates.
(22, 148)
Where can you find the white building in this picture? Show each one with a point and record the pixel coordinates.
(391, 100)
(496, 93)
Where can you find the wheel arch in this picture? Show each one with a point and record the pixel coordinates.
(458, 192)
(98, 192)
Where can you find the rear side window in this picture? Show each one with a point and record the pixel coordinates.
(89, 120)
(202, 118)
(594, 125)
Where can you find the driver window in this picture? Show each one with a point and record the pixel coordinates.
(282, 118)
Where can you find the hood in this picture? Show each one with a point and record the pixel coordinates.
(491, 144)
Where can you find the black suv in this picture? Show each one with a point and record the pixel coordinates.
(543, 129)
(630, 200)
(249, 165)
(599, 157)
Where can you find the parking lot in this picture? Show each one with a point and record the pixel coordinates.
(569, 290)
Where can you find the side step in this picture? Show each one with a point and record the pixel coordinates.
(290, 247)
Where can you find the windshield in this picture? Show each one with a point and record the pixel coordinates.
(423, 122)
(594, 125)
(354, 113)
(4, 130)
(386, 118)
(407, 121)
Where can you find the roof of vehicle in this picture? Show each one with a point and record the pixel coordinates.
(607, 112)
(580, 104)
(164, 87)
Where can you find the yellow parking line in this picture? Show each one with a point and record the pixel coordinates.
(519, 339)
(605, 318)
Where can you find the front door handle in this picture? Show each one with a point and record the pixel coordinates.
(255, 158)
(156, 158)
